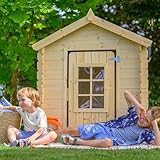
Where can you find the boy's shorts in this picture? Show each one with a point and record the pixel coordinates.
(25, 134)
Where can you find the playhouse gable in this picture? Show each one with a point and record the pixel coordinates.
(91, 18)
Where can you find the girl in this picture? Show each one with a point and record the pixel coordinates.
(138, 126)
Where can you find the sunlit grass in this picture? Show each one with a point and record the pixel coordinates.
(11, 153)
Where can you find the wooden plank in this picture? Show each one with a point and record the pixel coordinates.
(144, 64)
(127, 45)
(55, 110)
(102, 117)
(79, 119)
(75, 89)
(80, 58)
(122, 111)
(128, 55)
(143, 53)
(130, 66)
(130, 73)
(54, 91)
(53, 103)
(88, 32)
(143, 100)
(130, 83)
(54, 64)
(54, 55)
(55, 47)
(129, 60)
(72, 116)
(87, 45)
(42, 76)
(54, 98)
(110, 83)
(92, 33)
(144, 83)
(66, 94)
(117, 83)
(60, 33)
(94, 117)
(96, 57)
(88, 58)
(87, 118)
(122, 32)
(54, 75)
(54, 83)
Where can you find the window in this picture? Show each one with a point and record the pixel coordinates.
(91, 87)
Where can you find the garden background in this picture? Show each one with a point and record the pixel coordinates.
(24, 22)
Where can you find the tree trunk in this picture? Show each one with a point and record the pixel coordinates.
(13, 85)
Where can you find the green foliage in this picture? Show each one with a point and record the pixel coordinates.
(154, 90)
(17, 56)
(24, 22)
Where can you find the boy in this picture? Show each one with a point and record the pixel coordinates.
(136, 127)
(34, 120)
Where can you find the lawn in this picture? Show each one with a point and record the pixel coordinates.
(10, 153)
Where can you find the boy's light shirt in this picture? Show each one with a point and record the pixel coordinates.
(33, 121)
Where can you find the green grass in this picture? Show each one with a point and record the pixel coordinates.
(11, 153)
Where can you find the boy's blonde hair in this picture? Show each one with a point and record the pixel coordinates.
(155, 111)
(30, 93)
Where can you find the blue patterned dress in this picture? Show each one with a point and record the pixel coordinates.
(104, 129)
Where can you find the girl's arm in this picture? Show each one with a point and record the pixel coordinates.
(156, 131)
(131, 100)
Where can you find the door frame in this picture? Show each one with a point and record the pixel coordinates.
(67, 79)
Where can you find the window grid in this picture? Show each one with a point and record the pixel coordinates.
(91, 95)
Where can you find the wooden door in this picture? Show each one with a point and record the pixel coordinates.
(91, 87)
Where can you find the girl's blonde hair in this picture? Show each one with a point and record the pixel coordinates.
(30, 93)
(155, 111)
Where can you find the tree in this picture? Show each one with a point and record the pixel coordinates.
(23, 23)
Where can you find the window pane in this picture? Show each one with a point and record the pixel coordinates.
(83, 102)
(97, 102)
(98, 87)
(98, 73)
(84, 88)
(84, 72)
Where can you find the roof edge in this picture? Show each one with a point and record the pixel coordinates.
(91, 18)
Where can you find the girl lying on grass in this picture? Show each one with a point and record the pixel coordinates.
(138, 126)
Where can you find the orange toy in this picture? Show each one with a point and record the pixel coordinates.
(53, 123)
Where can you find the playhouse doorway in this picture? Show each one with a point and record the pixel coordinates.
(91, 87)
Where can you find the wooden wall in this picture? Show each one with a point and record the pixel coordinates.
(131, 71)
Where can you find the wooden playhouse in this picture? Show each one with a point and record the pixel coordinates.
(85, 67)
